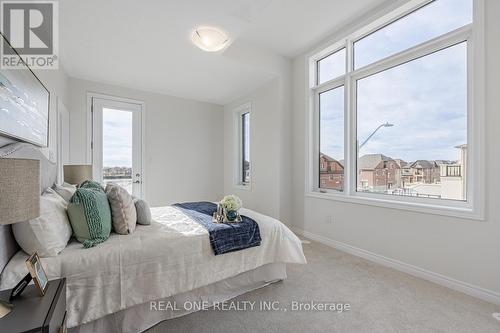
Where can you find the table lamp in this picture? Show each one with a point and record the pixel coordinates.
(77, 174)
(19, 197)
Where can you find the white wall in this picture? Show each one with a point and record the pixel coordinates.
(184, 142)
(270, 146)
(465, 250)
(263, 196)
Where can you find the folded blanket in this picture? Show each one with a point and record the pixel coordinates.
(224, 237)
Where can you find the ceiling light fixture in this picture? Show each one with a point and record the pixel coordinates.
(210, 39)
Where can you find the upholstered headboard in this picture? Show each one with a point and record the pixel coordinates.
(48, 176)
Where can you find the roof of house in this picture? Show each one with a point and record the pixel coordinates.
(439, 162)
(331, 159)
(328, 158)
(371, 161)
(424, 164)
(401, 163)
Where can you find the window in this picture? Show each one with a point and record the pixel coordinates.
(331, 154)
(117, 150)
(242, 124)
(435, 19)
(245, 147)
(427, 117)
(391, 111)
(331, 66)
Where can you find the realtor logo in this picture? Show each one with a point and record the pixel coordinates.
(31, 29)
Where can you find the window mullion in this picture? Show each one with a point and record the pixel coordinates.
(316, 143)
(329, 85)
(348, 135)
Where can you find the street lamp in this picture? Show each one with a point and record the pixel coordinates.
(387, 124)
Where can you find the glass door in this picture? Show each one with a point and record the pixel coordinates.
(117, 144)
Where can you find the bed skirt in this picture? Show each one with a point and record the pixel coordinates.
(143, 316)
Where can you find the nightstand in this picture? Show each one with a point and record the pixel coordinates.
(34, 313)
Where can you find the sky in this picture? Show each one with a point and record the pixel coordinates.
(117, 138)
(425, 99)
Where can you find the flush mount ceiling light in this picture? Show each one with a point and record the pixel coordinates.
(210, 39)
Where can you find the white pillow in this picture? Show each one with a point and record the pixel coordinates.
(49, 233)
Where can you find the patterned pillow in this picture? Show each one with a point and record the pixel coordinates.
(89, 214)
(124, 215)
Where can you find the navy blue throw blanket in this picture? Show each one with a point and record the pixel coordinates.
(224, 237)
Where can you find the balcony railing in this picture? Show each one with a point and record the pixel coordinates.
(451, 171)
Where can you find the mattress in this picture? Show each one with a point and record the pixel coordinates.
(171, 256)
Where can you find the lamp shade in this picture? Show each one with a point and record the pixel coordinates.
(77, 174)
(19, 190)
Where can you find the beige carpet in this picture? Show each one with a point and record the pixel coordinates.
(381, 300)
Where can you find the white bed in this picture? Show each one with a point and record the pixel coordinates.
(110, 286)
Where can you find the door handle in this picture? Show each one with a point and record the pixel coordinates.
(137, 182)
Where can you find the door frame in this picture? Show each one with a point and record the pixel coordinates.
(89, 120)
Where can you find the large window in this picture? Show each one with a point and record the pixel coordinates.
(392, 103)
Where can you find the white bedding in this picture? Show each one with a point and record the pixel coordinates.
(171, 256)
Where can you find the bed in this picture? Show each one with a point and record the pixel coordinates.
(111, 287)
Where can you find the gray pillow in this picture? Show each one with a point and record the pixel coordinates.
(123, 211)
(65, 190)
(143, 212)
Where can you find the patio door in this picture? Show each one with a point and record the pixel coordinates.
(117, 143)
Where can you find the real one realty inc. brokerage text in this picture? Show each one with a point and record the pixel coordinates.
(336, 307)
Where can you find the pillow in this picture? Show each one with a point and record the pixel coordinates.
(92, 184)
(49, 233)
(143, 212)
(90, 215)
(123, 210)
(65, 190)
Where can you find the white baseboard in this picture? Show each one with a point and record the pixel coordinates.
(466, 288)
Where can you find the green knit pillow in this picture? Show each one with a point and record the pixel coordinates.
(89, 214)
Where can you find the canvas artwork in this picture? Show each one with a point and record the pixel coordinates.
(24, 106)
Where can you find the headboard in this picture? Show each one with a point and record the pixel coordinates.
(48, 176)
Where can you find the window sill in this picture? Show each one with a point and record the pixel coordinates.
(245, 187)
(443, 210)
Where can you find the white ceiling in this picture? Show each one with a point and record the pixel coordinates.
(145, 44)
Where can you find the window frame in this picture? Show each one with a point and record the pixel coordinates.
(473, 34)
(238, 113)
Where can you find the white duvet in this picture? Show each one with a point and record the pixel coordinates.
(171, 256)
